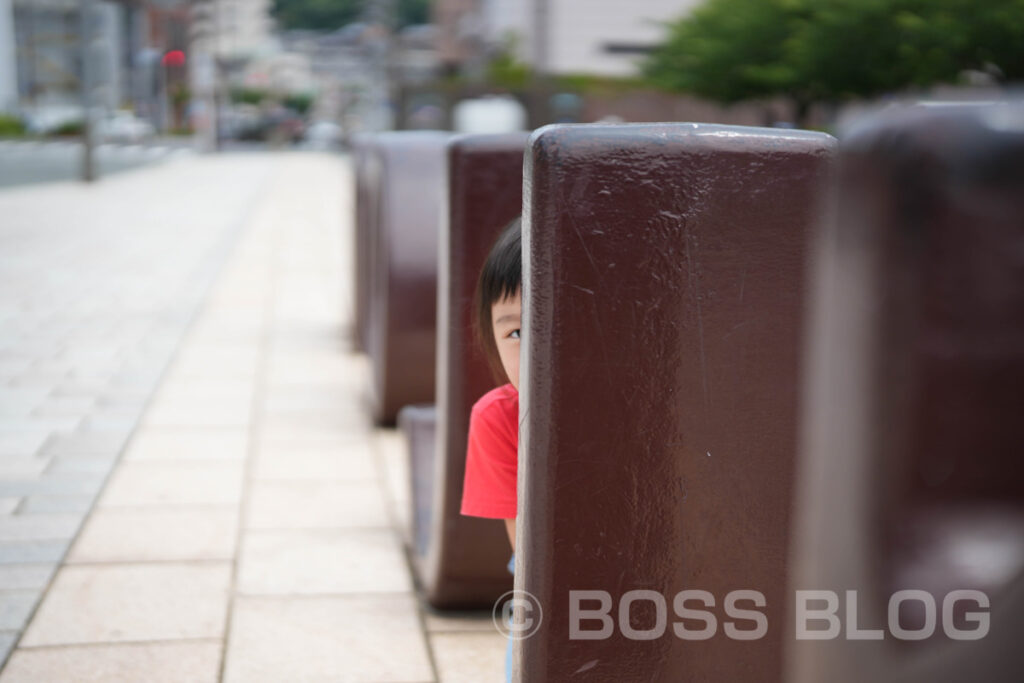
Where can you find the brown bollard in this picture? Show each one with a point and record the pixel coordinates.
(366, 170)
(663, 275)
(403, 278)
(419, 426)
(911, 469)
(462, 562)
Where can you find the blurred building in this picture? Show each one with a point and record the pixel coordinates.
(242, 28)
(601, 37)
(48, 55)
(460, 33)
(126, 39)
(8, 63)
(43, 63)
(356, 67)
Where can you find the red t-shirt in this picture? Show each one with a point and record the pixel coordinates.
(489, 489)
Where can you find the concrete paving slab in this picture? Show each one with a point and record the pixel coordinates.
(187, 662)
(329, 561)
(157, 535)
(118, 603)
(469, 657)
(358, 638)
(314, 505)
(200, 443)
(338, 460)
(135, 483)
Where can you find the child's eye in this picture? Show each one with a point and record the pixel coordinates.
(514, 334)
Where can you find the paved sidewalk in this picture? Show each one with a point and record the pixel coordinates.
(248, 530)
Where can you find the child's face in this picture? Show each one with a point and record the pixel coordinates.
(505, 319)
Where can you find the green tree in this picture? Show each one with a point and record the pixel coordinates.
(831, 50)
(317, 14)
(332, 14)
(730, 50)
(411, 12)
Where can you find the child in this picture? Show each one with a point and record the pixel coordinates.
(489, 489)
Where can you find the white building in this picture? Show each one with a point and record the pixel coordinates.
(601, 37)
(243, 28)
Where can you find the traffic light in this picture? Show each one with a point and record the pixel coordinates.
(173, 58)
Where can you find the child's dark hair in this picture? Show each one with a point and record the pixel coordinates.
(500, 278)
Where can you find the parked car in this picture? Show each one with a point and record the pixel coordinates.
(324, 135)
(50, 118)
(124, 126)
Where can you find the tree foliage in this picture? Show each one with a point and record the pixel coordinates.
(317, 14)
(830, 50)
(411, 12)
(333, 14)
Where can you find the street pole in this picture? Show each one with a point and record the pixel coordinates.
(540, 55)
(86, 37)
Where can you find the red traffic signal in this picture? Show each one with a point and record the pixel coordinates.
(173, 58)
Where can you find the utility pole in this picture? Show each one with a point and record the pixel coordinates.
(88, 35)
(202, 67)
(382, 13)
(540, 56)
(541, 23)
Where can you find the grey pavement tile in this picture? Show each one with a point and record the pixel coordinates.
(21, 402)
(82, 464)
(86, 443)
(9, 505)
(87, 604)
(121, 402)
(25, 576)
(60, 406)
(352, 638)
(16, 607)
(118, 422)
(32, 382)
(22, 467)
(55, 484)
(78, 387)
(14, 409)
(195, 661)
(6, 644)
(24, 442)
(39, 527)
(40, 424)
(43, 503)
(27, 552)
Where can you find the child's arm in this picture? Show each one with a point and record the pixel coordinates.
(510, 527)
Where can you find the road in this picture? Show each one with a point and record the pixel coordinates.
(29, 162)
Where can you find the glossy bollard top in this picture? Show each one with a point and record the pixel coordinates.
(402, 308)
(464, 561)
(664, 291)
(913, 475)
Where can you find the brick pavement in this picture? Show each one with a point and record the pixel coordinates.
(248, 528)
